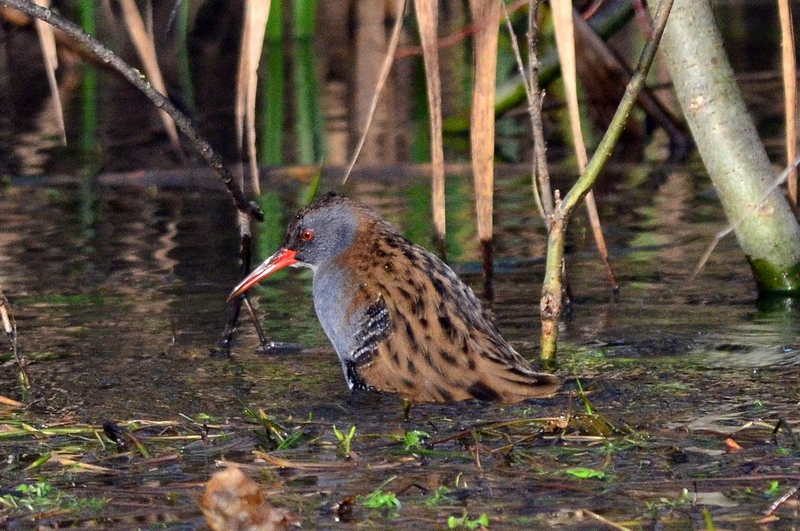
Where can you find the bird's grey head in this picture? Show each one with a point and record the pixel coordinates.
(322, 230)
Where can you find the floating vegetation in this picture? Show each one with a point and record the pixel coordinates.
(464, 522)
(41, 498)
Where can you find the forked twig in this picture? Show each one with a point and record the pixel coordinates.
(551, 292)
(533, 95)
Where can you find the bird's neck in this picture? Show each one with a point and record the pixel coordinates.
(333, 293)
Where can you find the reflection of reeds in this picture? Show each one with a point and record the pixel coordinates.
(48, 44)
(310, 125)
(142, 40)
(270, 151)
(369, 68)
(88, 140)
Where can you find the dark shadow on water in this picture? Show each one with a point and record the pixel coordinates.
(774, 303)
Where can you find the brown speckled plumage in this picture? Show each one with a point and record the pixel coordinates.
(405, 324)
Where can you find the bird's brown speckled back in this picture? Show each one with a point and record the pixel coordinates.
(441, 345)
(399, 318)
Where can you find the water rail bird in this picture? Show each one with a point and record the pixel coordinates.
(399, 318)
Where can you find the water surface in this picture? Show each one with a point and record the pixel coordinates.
(119, 297)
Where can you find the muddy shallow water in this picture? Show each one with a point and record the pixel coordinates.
(119, 298)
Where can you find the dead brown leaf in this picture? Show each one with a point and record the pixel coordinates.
(234, 502)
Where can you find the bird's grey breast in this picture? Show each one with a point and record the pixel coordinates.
(355, 330)
(333, 292)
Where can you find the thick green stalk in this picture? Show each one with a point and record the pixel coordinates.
(732, 152)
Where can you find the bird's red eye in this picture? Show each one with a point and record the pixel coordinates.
(307, 235)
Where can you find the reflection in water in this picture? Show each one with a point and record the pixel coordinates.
(317, 80)
(120, 294)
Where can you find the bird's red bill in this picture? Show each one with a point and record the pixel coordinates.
(279, 260)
